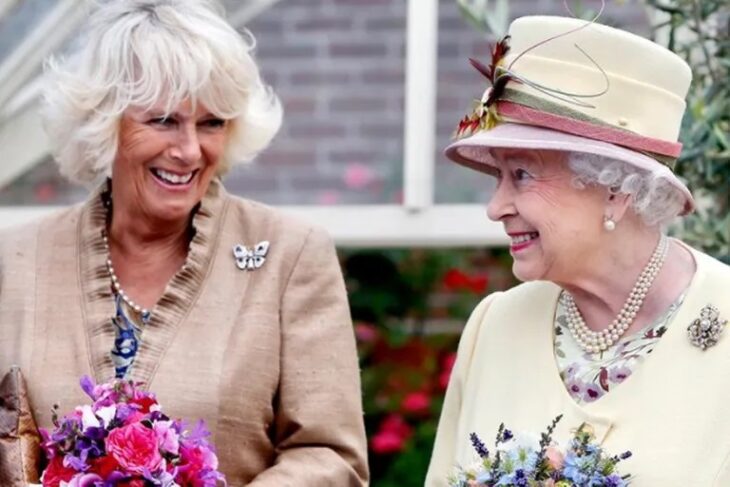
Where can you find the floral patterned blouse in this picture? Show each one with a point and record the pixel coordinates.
(590, 376)
(128, 325)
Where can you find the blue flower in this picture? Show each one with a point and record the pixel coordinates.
(518, 479)
(574, 468)
(524, 459)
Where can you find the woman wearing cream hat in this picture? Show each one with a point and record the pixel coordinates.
(616, 325)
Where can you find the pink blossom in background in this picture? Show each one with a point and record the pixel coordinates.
(366, 332)
(44, 192)
(416, 402)
(358, 176)
(447, 365)
(328, 197)
(385, 442)
(392, 435)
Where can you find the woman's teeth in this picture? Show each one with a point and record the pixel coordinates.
(171, 178)
(525, 237)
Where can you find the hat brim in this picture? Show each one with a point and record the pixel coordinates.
(473, 151)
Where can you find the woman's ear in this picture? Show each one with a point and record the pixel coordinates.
(617, 204)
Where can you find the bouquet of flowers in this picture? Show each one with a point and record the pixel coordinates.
(124, 440)
(583, 464)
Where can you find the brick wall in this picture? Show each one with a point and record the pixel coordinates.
(338, 66)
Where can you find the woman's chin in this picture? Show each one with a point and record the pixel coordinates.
(172, 211)
(525, 272)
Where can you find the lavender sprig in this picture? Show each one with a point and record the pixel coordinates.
(479, 446)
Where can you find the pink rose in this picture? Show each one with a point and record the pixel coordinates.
(134, 447)
(554, 457)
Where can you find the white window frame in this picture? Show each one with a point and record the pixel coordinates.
(418, 222)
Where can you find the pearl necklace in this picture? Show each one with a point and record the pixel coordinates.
(115, 282)
(599, 341)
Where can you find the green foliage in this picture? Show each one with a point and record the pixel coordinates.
(400, 300)
(699, 31)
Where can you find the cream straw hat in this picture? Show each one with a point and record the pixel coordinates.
(571, 85)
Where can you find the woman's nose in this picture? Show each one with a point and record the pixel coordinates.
(187, 147)
(501, 204)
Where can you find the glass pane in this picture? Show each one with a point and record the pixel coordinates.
(19, 21)
(459, 84)
(338, 67)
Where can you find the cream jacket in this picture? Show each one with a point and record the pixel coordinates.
(266, 357)
(673, 412)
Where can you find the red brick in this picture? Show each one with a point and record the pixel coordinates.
(357, 104)
(279, 157)
(350, 156)
(387, 24)
(324, 24)
(317, 129)
(299, 105)
(383, 130)
(357, 50)
(309, 78)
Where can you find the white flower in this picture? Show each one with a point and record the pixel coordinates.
(88, 418)
(107, 414)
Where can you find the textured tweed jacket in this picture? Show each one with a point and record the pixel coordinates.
(266, 357)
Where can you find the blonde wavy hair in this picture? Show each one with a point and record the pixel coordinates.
(145, 52)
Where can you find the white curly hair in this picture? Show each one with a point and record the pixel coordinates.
(145, 52)
(653, 197)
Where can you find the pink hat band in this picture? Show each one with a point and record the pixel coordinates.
(624, 138)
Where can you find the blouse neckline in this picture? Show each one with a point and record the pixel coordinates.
(600, 413)
(180, 295)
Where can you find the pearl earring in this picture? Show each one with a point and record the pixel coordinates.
(608, 224)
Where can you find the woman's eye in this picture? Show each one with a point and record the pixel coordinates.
(164, 121)
(521, 175)
(214, 123)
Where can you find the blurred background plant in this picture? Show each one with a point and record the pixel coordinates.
(408, 307)
(699, 31)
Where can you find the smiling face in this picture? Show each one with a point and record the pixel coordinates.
(165, 164)
(555, 228)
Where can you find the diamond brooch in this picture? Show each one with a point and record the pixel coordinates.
(705, 331)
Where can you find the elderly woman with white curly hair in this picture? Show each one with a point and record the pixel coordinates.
(617, 326)
(228, 310)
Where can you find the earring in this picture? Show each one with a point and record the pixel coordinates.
(608, 224)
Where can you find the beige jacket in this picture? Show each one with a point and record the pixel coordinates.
(266, 357)
(672, 412)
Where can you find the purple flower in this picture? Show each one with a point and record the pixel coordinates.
(575, 386)
(87, 384)
(198, 435)
(479, 446)
(619, 374)
(167, 437)
(571, 370)
(78, 463)
(507, 435)
(591, 393)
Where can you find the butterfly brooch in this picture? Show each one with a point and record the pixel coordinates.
(251, 259)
